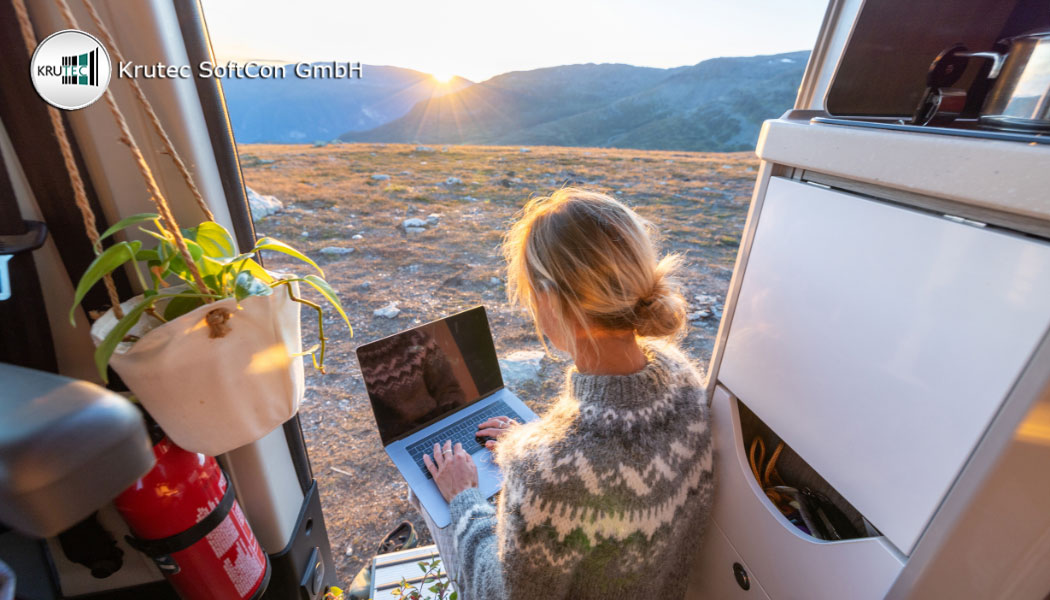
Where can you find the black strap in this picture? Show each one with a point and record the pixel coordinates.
(189, 537)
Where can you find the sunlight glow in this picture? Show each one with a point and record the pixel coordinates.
(442, 76)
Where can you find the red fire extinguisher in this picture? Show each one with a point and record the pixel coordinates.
(184, 516)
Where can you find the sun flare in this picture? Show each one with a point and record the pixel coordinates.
(442, 76)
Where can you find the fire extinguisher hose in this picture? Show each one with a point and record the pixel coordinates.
(182, 540)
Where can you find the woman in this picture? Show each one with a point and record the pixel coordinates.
(607, 494)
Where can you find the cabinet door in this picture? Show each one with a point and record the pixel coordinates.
(879, 341)
(713, 576)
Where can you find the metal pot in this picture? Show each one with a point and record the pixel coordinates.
(1020, 97)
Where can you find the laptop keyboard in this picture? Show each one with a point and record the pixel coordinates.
(462, 431)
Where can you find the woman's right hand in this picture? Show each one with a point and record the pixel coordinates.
(495, 428)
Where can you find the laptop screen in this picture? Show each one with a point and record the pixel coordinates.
(422, 374)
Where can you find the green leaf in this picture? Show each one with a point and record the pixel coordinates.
(128, 222)
(422, 566)
(326, 290)
(453, 596)
(215, 240)
(116, 335)
(178, 265)
(257, 270)
(147, 256)
(268, 243)
(246, 285)
(179, 306)
(113, 257)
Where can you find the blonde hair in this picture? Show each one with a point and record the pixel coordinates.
(595, 259)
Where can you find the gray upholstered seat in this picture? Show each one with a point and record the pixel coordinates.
(67, 447)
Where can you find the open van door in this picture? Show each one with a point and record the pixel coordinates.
(886, 335)
(272, 478)
(883, 357)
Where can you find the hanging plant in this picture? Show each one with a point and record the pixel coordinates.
(224, 273)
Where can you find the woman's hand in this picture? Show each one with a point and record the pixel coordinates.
(452, 468)
(495, 428)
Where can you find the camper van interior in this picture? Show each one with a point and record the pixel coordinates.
(879, 387)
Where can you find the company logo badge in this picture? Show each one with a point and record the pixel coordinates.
(70, 69)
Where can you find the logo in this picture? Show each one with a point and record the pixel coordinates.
(70, 69)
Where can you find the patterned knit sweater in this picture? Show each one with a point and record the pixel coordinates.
(605, 496)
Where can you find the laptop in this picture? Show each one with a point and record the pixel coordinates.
(433, 383)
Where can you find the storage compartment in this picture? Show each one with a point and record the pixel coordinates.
(880, 341)
(788, 563)
(816, 501)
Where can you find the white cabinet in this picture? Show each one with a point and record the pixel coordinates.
(788, 563)
(879, 341)
(715, 578)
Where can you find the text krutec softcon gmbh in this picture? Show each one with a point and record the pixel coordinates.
(248, 70)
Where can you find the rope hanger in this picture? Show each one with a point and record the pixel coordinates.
(79, 193)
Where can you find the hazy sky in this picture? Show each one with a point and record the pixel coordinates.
(477, 39)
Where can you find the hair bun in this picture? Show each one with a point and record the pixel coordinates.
(661, 312)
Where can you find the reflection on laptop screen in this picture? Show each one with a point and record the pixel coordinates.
(419, 375)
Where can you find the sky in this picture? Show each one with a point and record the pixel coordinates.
(477, 39)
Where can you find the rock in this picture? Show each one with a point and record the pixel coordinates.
(406, 172)
(380, 177)
(470, 198)
(433, 218)
(705, 299)
(356, 236)
(698, 315)
(727, 167)
(444, 148)
(262, 206)
(413, 223)
(521, 366)
(387, 312)
(523, 150)
(453, 181)
(422, 148)
(495, 281)
(305, 234)
(336, 250)
(364, 285)
(415, 229)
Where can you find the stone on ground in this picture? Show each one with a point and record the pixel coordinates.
(388, 312)
(262, 206)
(521, 366)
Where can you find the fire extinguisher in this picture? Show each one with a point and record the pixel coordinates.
(184, 516)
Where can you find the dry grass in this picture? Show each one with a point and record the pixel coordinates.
(697, 200)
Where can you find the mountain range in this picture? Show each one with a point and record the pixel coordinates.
(296, 111)
(715, 105)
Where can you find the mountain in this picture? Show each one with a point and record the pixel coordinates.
(294, 110)
(714, 105)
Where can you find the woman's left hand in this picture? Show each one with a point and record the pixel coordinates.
(452, 469)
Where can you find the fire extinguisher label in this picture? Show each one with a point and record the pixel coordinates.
(244, 570)
(222, 538)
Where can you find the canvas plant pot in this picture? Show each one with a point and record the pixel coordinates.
(214, 394)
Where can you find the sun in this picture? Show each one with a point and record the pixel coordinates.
(442, 76)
